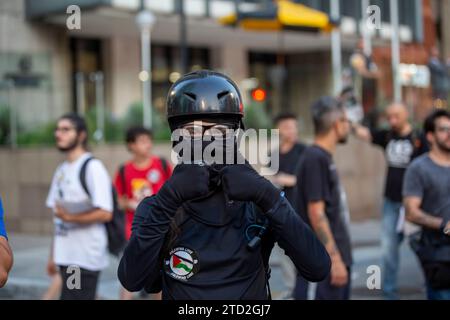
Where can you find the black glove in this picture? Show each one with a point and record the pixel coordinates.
(242, 183)
(188, 181)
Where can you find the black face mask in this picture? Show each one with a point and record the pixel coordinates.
(213, 151)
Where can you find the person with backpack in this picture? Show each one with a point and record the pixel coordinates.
(142, 176)
(209, 231)
(402, 144)
(82, 202)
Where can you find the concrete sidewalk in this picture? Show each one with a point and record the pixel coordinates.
(28, 279)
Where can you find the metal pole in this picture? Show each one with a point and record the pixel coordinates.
(207, 8)
(336, 49)
(395, 46)
(145, 21)
(146, 83)
(79, 80)
(12, 114)
(365, 30)
(100, 103)
(419, 21)
(183, 38)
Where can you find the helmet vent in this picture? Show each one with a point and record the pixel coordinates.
(190, 95)
(222, 94)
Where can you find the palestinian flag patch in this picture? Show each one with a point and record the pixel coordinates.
(181, 264)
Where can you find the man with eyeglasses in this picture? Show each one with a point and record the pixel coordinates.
(209, 231)
(401, 144)
(80, 244)
(426, 192)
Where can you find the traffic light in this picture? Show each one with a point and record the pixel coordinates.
(259, 95)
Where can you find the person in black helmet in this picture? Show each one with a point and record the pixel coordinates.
(209, 231)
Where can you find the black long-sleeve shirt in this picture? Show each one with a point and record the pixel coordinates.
(210, 258)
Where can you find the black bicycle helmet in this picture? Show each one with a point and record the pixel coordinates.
(204, 94)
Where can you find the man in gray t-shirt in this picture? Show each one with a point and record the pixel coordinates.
(426, 198)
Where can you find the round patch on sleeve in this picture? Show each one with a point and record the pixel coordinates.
(181, 264)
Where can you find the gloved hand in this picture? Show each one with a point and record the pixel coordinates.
(242, 183)
(188, 181)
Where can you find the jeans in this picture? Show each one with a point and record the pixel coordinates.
(390, 243)
(324, 290)
(433, 294)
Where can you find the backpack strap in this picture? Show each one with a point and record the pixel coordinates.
(165, 166)
(122, 176)
(60, 192)
(83, 176)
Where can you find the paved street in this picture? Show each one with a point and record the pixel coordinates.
(28, 279)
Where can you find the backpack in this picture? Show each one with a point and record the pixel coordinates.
(115, 228)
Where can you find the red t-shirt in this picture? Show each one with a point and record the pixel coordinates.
(140, 183)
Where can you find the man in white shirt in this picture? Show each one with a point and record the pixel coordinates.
(80, 246)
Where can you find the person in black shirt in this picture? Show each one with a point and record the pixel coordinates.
(209, 231)
(321, 199)
(290, 151)
(402, 144)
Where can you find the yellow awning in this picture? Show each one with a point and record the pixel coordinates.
(287, 15)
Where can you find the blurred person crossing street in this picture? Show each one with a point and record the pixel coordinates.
(80, 244)
(401, 144)
(440, 78)
(291, 150)
(427, 201)
(322, 200)
(140, 177)
(365, 74)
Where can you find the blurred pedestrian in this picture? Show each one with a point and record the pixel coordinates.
(350, 102)
(80, 243)
(322, 201)
(290, 149)
(440, 82)
(142, 176)
(401, 144)
(6, 255)
(53, 292)
(365, 77)
(427, 202)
